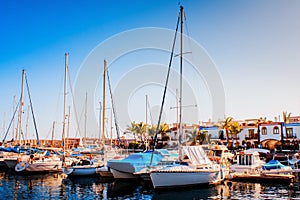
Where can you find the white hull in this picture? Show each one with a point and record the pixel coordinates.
(80, 170)
(39, 166)
(244, 168)
(122, 175)
(177, 179)
(54, 166)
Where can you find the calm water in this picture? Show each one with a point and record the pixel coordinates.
(56, 186)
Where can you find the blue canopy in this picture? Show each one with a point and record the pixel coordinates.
(273, 164)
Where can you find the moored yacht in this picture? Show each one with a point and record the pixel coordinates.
(247, 162)
(198, 170)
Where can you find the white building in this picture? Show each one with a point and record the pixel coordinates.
(292, 130)
(270, 131)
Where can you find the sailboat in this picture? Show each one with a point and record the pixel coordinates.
(200, 170)
(39, 160)
(81, 166)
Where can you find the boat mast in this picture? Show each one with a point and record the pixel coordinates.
(52, 137)
(104, 102)
(65, 99)
(180, 92)
(100, 109)
(68, 133)
(21, 106)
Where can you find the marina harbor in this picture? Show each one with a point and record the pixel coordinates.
(150, 100)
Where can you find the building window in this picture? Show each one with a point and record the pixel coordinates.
(251, 133)
(264, 131)
(289, 132)
(276, 130)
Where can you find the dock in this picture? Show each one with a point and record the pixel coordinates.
(262, 177)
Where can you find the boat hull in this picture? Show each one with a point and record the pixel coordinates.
(80, 171)
(44, 167)
(162, 179)
(11, 162)
(39, 167)
(2, 164)
(122, 175)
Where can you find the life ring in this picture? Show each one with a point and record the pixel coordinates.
(21, 166)
(67, 170)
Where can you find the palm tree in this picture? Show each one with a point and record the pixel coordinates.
(141, 130)
(226, 124)
(202, 136)
(195, 133)
(132, 129)
(235, 129)
(151, 131)
(138, 129)
(263, 119)
(164, 128)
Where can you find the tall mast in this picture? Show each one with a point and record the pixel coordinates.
(100, 109)
(180, 92)
(52, 137)
(65, 98)
(69, 115)
(21, 106)
(104, 101)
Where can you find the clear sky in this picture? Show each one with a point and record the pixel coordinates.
(254, 45)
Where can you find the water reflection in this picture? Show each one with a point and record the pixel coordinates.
(14, 186)
(57, 186)
(85, 188)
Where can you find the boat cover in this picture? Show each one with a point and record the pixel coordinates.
(273, 164)
(197, 155)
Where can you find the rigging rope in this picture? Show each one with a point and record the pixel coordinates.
(11, 121)
(114, 108)
(34, 121)
(165, 89)
(73, 102)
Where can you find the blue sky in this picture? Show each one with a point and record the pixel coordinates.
(254, 45)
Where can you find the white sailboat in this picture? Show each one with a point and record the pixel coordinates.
(197, 170)
(81, 166)
(201, 170)
(12, 159)
(40, 162)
